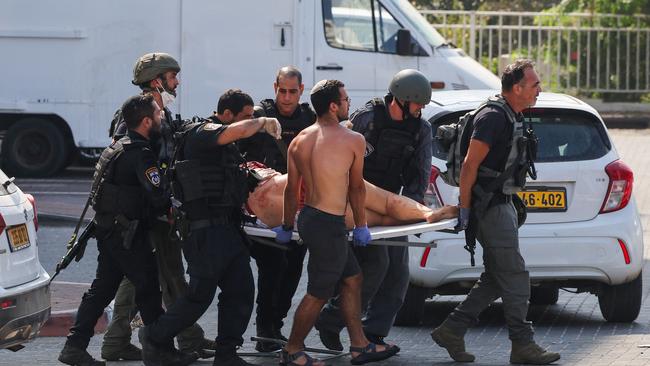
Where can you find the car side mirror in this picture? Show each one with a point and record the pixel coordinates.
(404, 42)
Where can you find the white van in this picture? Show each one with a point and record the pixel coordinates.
(67, 64)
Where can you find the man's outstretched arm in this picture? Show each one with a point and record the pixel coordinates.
(357, 186)
(292, 187)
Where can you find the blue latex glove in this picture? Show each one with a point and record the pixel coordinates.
(361, 236)
(282, 236)
(463, 218)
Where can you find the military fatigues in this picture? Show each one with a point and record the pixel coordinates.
(398, 157)
(505, 273)
(131, 190)
(279, 270)
(213, 189)
(168, 257)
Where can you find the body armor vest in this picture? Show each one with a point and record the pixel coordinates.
(213, 178)
(106, 197)
(517, 155)
(271, 155)
(390, 148)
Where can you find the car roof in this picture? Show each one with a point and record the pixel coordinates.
(460, 100)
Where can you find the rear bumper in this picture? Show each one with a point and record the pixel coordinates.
(565, 252)
(22, 322)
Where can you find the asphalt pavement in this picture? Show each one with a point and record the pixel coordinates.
(574, 326)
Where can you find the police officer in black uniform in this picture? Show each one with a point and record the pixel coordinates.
(155, 73)
(398, 159)
(127, 196)
(211, 183)
(279, 270)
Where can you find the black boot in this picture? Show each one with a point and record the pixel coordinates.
(264, 331)
(155, 354)
(74, 356)
(227, 356)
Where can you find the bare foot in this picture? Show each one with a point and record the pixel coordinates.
(446, 212)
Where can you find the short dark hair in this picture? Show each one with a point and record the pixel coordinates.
(235, 100)
(324, 94)
(136, 108)
(514, 73)
(290, 72)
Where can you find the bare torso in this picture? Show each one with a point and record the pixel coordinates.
(323, 156)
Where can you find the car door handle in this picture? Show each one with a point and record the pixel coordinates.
(329, 67)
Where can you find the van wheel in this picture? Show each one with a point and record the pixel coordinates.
(544, 295)
(34, 147)
(621, 303)
(413, 306)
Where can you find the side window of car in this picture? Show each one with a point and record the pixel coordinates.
(386, 29)
(348, 24)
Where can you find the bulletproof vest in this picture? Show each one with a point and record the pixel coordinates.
(214, 178)
(390, 148)
(455, 138)
(162, 145)
(106, 197)
(270, 153)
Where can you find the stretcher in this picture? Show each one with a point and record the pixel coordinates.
(380, 235)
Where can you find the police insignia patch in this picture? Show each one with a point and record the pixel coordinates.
(153, 175)
(369, 149)
(211, 126)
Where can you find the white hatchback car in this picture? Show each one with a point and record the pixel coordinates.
(24, 284)
(583, 229)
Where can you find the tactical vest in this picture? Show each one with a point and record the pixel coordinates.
(162, 145)
(108, 198)
(455, 137)
(214, 178)
(390, 149)
(270, 150)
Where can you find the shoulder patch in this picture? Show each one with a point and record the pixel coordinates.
(210, 126)
(153, 175)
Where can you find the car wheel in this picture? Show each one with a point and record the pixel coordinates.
(544, 295)
(621, 303)
(413, 306)
(34, 147)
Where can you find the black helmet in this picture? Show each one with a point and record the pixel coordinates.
(149, 66)
(411, 86)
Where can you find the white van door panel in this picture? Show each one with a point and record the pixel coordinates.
(344, 47)
(221, 49)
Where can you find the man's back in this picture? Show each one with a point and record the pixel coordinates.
(323, 156)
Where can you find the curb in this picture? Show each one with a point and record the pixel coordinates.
(65, 300)
(59, 217)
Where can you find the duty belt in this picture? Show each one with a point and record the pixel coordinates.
(499, 199)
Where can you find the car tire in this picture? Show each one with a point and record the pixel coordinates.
(621, 303)
(413, 307)
(540, 295)
(34, 147)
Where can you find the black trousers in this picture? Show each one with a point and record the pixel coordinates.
(216, 257)
(279, 273)
(113, 263)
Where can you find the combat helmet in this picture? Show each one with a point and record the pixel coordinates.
(149, 66)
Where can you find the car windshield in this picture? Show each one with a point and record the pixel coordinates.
(563, 135)
(6, 187)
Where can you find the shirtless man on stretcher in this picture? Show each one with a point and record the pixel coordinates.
(383, 208)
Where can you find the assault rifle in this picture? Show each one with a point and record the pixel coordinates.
(76, 248)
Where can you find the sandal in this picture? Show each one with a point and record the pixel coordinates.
(287, 359)
(369, 353)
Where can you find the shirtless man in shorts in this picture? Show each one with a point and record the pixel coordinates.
(329, 159)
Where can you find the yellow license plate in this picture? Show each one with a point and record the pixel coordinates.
(544, 200)
(18, 237)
